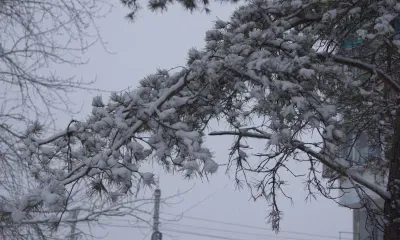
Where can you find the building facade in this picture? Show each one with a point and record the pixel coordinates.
(358, 154)
(362, 157)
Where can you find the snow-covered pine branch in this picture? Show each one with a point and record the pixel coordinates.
(115, 141)
(277, 68)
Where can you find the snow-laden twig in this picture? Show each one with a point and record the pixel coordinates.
(335, 165)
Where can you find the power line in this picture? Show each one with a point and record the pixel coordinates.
(231, 224)
(175, 231)
(200, 234)
(203, 200)
(109, 223)
(179, 231)
(196, 233)
(240, 225)
(237, 232)
(246, 234)
(252, 227)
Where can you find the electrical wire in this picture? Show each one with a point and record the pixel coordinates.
(238, 232)
(182, 232)
(216, 236)
(252, 227)
(222, 222)
(109, 223)
(172, 230)
(245, 234)
(229, 224)
(203, 200)
(201, 234)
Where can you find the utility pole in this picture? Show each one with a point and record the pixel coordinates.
(156, 217)
(73, 235)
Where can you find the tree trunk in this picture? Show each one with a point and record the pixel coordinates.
(392, 208)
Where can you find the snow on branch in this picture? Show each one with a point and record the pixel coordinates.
(332, 163)
(111, 145)
(264, 71)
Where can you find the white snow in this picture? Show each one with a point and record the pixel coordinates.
(210, 166)
(17, 215)
(147, 178)
(306, 73)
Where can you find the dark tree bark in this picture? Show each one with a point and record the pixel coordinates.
(392, 207)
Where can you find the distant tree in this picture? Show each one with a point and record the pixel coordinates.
(36, 38)
(276, 71)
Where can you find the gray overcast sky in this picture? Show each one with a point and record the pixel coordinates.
(161, 41)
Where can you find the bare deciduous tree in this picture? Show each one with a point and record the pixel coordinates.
(37, 38)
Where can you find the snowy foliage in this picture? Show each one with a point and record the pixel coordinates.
(37, 38)
(280, 61)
